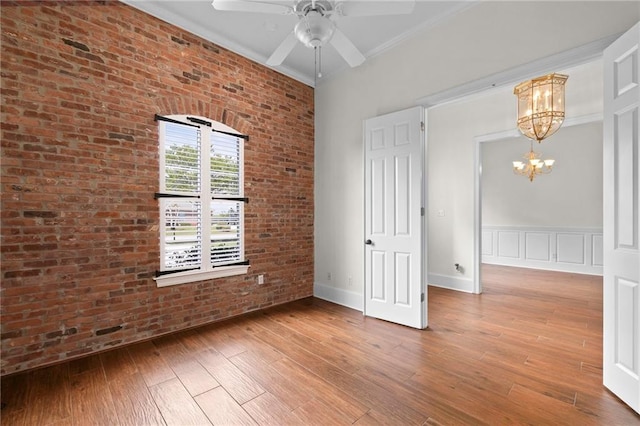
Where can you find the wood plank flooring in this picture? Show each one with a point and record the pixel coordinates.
(527, 351)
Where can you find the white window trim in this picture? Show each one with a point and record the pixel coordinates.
(193, 276)
(206, 272)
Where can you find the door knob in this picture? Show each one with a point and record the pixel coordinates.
(368, 242)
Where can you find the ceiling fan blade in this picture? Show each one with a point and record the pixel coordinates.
(252, 6)
(283, 50)
(346, 49)
(375, 8)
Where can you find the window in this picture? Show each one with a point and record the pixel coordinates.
(201, 200)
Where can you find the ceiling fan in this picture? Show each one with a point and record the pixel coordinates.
(316, 25)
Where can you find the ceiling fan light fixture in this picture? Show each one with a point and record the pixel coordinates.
(314, 29)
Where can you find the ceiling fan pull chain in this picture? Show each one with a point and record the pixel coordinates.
(319, 61)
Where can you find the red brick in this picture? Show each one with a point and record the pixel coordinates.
(80, 156)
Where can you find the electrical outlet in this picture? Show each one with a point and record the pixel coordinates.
(350, 281)
(260, 279)
(328, 276)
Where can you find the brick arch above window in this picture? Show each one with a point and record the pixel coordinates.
(179, 106)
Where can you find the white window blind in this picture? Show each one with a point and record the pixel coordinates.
(182, 159)
(225, 163)
(182, 234)
(201, 198)
(225, 231)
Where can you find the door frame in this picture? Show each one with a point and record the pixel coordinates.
(567, 59)
(479, 142)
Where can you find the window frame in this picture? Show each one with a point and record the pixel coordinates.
(206, 270)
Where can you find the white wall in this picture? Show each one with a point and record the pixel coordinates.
(486, 38)
(569, 197)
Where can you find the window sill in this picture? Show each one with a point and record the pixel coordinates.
(193, 276)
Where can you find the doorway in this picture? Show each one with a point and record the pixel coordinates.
(540, 224)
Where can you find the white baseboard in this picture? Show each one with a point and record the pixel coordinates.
(555, 267)
(450, 282)
(354, 300)
(350, 299)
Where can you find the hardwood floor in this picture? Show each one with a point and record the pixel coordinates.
(527, 351)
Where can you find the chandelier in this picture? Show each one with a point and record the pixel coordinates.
(541, 105)
(533, 165)
(540, 114)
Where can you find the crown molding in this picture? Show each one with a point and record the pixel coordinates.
(210, 35)
(567, 59)
(412, 32)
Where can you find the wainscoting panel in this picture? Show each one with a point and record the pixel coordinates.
(555, 249)
(596, 250)
(536, 246)
(487, 243)
(508, 244)
(571, 248)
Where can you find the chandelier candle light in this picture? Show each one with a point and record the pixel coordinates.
(533, 165)
(540, 114)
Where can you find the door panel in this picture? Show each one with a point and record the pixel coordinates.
(626, 199)
(626, 335)
(378, 199)
(403, 279)
(403, 196)
(621, 313)
(393, 220)
(378, 276)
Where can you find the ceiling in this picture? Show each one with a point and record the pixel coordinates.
(257, 35)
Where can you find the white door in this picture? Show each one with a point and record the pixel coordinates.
(394, 288)
(621, 347)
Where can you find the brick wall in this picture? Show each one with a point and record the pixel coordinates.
(80, 243)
